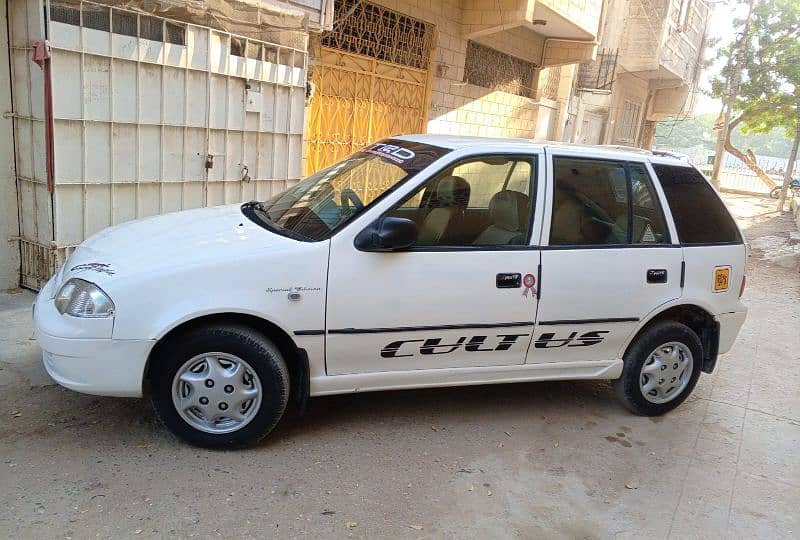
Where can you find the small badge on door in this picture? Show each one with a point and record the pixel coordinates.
(529, 281)
(722, 278)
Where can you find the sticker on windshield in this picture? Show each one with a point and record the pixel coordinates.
(393, 152)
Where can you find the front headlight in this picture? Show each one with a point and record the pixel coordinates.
(80, 298)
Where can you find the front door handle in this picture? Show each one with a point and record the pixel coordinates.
(509, 281)
(657, 275)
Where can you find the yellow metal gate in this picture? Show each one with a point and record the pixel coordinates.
(372, 80)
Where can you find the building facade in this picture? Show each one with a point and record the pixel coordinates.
(499, 68)
(649, 61)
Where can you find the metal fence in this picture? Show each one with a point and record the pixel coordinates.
(598, 74)
(742, 179)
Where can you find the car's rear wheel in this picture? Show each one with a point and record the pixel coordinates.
(220, 387)
(661, 369)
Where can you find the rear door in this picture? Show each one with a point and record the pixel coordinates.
(713, 247)
(608, 258)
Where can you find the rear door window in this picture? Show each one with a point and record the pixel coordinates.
(600, 202)
(699, 213)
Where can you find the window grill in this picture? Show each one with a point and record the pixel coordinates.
(378, 32)
(488, 68)
(65, 14)
(629, 126)
(253, 50)
(237, 46)
(599, 74)
(125, 24)
(151, 28)
(176, 34)
(96, 17)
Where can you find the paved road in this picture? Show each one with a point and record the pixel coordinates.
(542, 460)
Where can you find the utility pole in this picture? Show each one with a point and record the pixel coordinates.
(730, 96)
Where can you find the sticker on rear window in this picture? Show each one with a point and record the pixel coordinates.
(722, 278)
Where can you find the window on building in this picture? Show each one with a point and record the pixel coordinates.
(484, 201)
(488, 68)
(125, 24)
(65, 14)
(237, 46)
(604, 202)
(382, 33)
(96, 17)
(254, 50)
(629, 122)
(151, 28)
(176, 33)
(700, 215)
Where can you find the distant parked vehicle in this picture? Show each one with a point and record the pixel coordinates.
(794, 186)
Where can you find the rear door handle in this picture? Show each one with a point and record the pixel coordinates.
(657, 275)
(509, 281)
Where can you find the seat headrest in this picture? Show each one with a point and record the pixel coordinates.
(509, 210)
(452, 191)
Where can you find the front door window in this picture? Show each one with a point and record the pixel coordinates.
(482, 201)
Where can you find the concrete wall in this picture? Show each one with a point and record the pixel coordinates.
(9, 221)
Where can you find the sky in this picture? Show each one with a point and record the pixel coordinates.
(720, 25)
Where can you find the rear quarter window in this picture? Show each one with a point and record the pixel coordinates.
(700, 215)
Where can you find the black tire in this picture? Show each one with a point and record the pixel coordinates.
(243, 342)
(627, 386)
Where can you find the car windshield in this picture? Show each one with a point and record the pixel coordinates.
(314, 208)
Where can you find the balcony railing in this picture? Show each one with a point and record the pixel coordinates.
(598, 74)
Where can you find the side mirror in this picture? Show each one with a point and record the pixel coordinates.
(387, 234)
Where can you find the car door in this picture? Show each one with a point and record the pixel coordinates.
(608, 258)
(463, 295)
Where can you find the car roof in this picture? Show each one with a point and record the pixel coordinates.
(457, 142)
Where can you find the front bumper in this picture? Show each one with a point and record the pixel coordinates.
(81, 355)
(729, 326)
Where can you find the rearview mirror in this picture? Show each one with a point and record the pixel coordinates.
(387, 234)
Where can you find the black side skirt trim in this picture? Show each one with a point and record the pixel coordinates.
(421, 328)
(588, 321)
(309, 332)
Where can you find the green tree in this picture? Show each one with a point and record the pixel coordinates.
(769, 95)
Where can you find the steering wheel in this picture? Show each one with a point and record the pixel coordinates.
(350, 202)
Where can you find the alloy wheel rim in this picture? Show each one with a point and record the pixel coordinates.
(216, 392)
(666, 372)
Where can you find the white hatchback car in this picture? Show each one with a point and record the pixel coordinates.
(419, 261)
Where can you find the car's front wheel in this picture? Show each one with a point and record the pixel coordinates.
(661, 369)
(220, 387)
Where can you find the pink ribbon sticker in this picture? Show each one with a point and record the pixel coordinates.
(529, 281)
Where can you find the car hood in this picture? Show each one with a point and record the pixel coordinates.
(171, 242)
